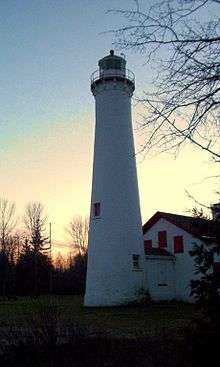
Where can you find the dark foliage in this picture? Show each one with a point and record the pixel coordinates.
(25, 273)
(206, 289)
(195, 349)
(201, 344)
(34, 273)
(5, 271)
(71, 280)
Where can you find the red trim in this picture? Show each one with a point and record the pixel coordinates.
(178, 244)
(151, 222)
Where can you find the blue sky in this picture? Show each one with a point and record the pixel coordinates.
(48, 51)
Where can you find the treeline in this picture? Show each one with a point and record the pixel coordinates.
(26, 264)
(35, 274)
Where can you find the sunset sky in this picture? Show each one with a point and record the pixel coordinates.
(49, 48)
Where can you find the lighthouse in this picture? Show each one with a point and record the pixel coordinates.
(115, 271)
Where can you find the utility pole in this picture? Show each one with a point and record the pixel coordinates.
(50, 256)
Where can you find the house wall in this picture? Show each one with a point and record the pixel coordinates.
(184, 268)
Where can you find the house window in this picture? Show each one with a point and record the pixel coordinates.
(96, 209)
(147, 245)
(178, 244)
(136, 261)
(162, 239)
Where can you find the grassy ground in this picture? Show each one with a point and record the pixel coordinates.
(152, 320)
(56, 331)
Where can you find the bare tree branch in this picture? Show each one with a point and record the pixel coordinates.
(7, 222)
(196, 201)
(78, 232)
(183, 103)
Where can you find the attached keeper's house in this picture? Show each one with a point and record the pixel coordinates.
(168, 238)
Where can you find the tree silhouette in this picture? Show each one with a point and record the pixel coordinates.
(78, 231)
(7, 225)
(35, 222)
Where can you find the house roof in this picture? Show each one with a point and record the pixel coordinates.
(204, 229)
(158, 251)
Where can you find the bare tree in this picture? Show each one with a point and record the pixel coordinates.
(16, 244)
(182, 38)
(78, 232)
(7, 222)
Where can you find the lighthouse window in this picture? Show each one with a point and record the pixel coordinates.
(136, 261)
(113, 64)
(96, 209)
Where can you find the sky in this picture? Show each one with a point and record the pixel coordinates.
(49, 48)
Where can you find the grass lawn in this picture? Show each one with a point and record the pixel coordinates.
(56, 331)
(153, 320)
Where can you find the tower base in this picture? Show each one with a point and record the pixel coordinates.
(116, 299)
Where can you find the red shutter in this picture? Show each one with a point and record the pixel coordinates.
(147, 245)
(178, 244)
(162, 239)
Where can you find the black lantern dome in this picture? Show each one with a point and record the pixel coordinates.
(112, 68)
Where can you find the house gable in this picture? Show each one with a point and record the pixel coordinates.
(171, 231)
(205, 230)
(157, 216)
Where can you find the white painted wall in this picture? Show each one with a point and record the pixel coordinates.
(160, 271)
(184, 263)
(117, 234)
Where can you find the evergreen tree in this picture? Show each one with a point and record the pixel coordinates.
(206, 290)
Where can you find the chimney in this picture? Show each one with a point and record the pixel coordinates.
(215, 208)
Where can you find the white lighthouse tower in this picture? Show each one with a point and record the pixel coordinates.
(115, 272)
